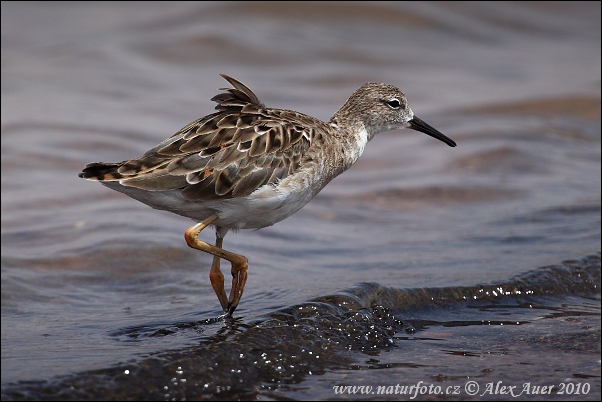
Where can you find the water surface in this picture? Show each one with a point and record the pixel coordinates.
(95, 283)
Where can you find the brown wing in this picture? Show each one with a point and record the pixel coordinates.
(228, 154)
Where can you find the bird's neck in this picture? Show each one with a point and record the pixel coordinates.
(350, 141)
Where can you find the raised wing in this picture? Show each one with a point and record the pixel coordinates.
(227, 154)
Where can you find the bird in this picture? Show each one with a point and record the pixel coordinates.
(248, 166)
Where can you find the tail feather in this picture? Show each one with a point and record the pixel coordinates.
(102, 171)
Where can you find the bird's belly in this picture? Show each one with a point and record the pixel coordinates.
(264, 207)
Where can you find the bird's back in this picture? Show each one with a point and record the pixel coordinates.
(227, 154)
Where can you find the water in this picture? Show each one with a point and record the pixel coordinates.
(94, 283)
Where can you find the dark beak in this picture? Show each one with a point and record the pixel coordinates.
(419, 125)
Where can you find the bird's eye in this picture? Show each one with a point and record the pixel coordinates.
(393, 104)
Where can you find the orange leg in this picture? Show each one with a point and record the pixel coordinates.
(239, 265)
(217, 278)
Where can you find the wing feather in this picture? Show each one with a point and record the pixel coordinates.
(227, 154)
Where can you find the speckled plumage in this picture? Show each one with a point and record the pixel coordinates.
(249, 166)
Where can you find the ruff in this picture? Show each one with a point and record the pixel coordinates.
(248, 166)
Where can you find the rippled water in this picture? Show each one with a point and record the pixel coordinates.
(426, 250)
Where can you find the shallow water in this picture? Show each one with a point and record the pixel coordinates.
(538, 332)
(94, 283)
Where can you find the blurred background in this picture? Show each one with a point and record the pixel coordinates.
(86, 271)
